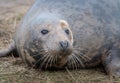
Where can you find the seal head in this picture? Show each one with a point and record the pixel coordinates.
(51, 42)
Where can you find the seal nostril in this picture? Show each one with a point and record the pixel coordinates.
(64, 45)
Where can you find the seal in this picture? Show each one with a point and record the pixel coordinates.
(70, 33)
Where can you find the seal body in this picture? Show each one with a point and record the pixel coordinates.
(94, 38)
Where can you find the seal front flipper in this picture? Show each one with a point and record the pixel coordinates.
(9, 50)
(112, 62)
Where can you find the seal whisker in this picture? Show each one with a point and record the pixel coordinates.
(76, 51)
(79, 61)
(76, 55)
(44, 60)
(80, 55)
(39, 60)
(51, 62)
(76, 61)
(48, 61)
(72, 62)
(56, 59)
(69, 62)
(84, 56)
(44, 56)
(87, 57)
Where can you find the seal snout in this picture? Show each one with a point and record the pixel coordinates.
(64, 45)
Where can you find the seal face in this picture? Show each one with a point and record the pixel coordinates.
(54, 41)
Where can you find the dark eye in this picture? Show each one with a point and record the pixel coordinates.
(44, 32)
(67, 31)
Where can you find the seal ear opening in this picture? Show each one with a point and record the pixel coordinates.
(63, 24)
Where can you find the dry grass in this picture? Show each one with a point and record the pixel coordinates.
(13, 70)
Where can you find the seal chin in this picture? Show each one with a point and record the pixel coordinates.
(56, 59)
(61, 57)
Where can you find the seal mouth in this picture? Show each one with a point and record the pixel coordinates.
(50, 59)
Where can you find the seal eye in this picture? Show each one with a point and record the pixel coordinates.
(44, 31)
(67, 31)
